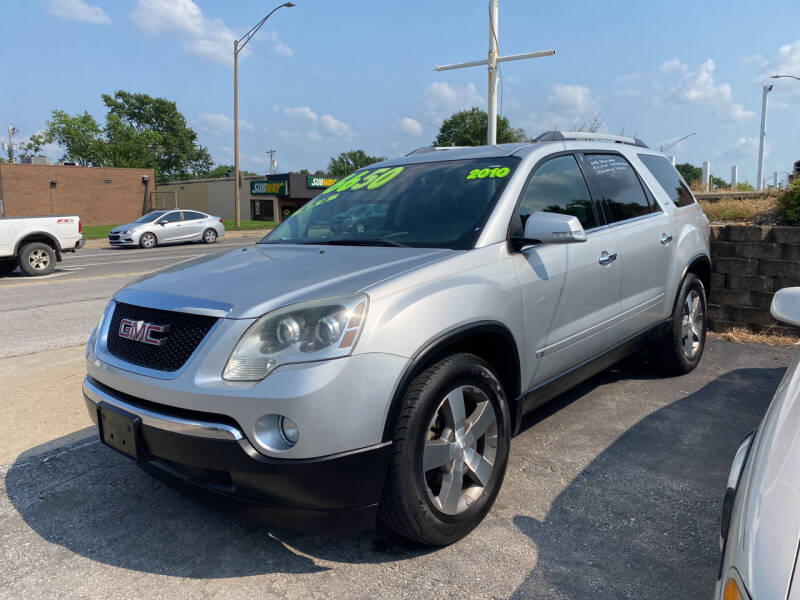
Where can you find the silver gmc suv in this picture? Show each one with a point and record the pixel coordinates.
(331, 375)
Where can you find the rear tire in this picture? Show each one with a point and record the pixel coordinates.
(148, 240)
(37, 258)
(680, 350)
(449, 454)
(209, 236)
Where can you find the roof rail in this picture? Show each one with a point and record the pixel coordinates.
(426, 149)
(561, 136)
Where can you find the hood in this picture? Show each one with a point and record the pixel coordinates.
(248, 282)
(128, 226)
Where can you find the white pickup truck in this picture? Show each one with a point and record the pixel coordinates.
(35, 244)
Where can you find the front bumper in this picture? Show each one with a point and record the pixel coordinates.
(208, 456)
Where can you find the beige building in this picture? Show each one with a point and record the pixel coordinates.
(262, 197)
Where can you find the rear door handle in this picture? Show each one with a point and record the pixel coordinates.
(665, 239)
(606, 258)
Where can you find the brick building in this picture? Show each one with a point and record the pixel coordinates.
(99, 195)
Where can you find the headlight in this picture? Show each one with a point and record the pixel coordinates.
(126, 231)
(302, 332)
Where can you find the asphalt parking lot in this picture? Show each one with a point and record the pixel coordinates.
(613, 490)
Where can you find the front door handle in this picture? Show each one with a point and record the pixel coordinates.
(665, 238)
(606, 258)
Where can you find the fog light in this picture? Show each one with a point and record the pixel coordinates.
(276, 432)
(290, 432)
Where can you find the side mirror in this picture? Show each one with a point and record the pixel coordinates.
(786, 306)
(551, 228)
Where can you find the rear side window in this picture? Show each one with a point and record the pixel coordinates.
(558, 187)
(189, 215)
(619, 187)
(669, 178)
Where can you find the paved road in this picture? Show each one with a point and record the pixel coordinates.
(612, 491)
(60, 310)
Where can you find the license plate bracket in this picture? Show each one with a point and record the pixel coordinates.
(120, 430)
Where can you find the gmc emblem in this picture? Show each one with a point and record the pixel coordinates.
(140, 331)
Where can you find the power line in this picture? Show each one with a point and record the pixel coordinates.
(342, 90)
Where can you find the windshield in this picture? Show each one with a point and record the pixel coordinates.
(150, 217)
(428, 205)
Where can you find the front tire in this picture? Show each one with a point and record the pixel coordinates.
(450, 451)
(209, 236)
(37, 258)
(680, 350)
(148, 240)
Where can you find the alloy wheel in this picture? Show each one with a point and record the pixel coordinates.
(692, 324)
(460, 449)
(39, 259)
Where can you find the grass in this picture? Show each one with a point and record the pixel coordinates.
(96, 232)
(245, 225)
(745, 336)
(742, 209)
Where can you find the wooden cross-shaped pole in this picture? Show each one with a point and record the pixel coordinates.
(492, 61)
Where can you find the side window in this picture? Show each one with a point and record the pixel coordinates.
(619, 187)
(190, 215)
(558, 186)
(172, 217)
(669, 178)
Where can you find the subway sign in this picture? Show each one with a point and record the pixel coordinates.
(320, 182)
(262, 188)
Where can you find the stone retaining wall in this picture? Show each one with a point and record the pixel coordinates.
(750, 263)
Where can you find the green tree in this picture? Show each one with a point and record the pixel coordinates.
(468, 128)
(689, 172)
(718, 183)
(140, 131)
(350, 161)
(224, 171)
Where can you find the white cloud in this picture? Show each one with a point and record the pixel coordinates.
(79, 10)
(699, 88)
(204, 37)
(300, 111)
(323, 123)
(283, 50)
(335, 127)
(785, 62)
(218, 123)
(443, 99)
(567, 107)
(410, 126)
(673, 64)
(755, 58)
(629, 77)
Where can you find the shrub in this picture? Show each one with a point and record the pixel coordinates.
(790, 201)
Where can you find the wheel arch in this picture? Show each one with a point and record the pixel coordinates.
(39, 236)
(490, 340)
(700, 265)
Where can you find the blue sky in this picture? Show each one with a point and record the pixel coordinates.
(655, 69)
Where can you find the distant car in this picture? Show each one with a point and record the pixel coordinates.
(359, 218)
(168, 227)
(35, 244)
(760, 527)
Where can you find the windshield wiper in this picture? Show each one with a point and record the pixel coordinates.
(363, 242)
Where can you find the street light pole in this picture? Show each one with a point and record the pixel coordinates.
(237, 47)
(789, 76)
(760, 183)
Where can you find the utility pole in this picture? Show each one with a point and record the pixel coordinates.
(11, 131)
(492, 61)
(237, 47)
(765, 90)
(271, 161)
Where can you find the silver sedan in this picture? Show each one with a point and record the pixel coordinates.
(761, 511)
(168, 227)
